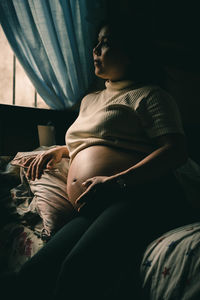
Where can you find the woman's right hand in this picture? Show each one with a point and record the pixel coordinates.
(45, 160)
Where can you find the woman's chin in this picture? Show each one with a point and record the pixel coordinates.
(99, 74)
(97, 71)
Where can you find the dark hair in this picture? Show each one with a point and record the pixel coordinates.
(137, 42)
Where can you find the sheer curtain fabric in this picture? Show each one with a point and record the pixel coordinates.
(53, 41)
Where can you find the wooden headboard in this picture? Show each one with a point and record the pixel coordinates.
(19, 131)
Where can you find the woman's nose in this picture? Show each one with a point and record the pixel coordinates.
(97, 49)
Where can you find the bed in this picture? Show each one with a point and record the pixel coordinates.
(29, 217)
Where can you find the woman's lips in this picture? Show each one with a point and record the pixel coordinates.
(97, 62)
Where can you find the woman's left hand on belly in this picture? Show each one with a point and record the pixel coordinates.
(93, 186)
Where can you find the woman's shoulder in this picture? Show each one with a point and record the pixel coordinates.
(152, 95)
(91, 97)
(148, 88)
(142, 92)
(152, 91)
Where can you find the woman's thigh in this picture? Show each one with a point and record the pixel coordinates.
(110, 247)
(91, 253)
(43, 268)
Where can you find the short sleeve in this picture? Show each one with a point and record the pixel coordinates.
(159, 114)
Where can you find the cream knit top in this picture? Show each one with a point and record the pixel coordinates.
(125, 116)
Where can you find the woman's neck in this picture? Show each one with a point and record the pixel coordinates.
(120, 85)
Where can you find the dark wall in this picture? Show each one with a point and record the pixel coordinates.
(173, 23)
(173, 20)
(175, 28)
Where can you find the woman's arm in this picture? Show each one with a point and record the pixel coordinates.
(170, 154)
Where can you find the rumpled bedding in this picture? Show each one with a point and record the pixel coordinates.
(170, 268)
(30, 211)
(18, 244)
(19, 240)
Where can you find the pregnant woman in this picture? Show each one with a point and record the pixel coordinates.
(123, 149)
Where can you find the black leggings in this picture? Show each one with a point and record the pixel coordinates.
(97, 255)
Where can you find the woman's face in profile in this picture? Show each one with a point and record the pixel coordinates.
(109, 60)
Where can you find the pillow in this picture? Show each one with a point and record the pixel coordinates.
(49, 197)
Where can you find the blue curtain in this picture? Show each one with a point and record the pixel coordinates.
(53, 41)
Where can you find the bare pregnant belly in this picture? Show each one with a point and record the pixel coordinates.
(97, 161)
